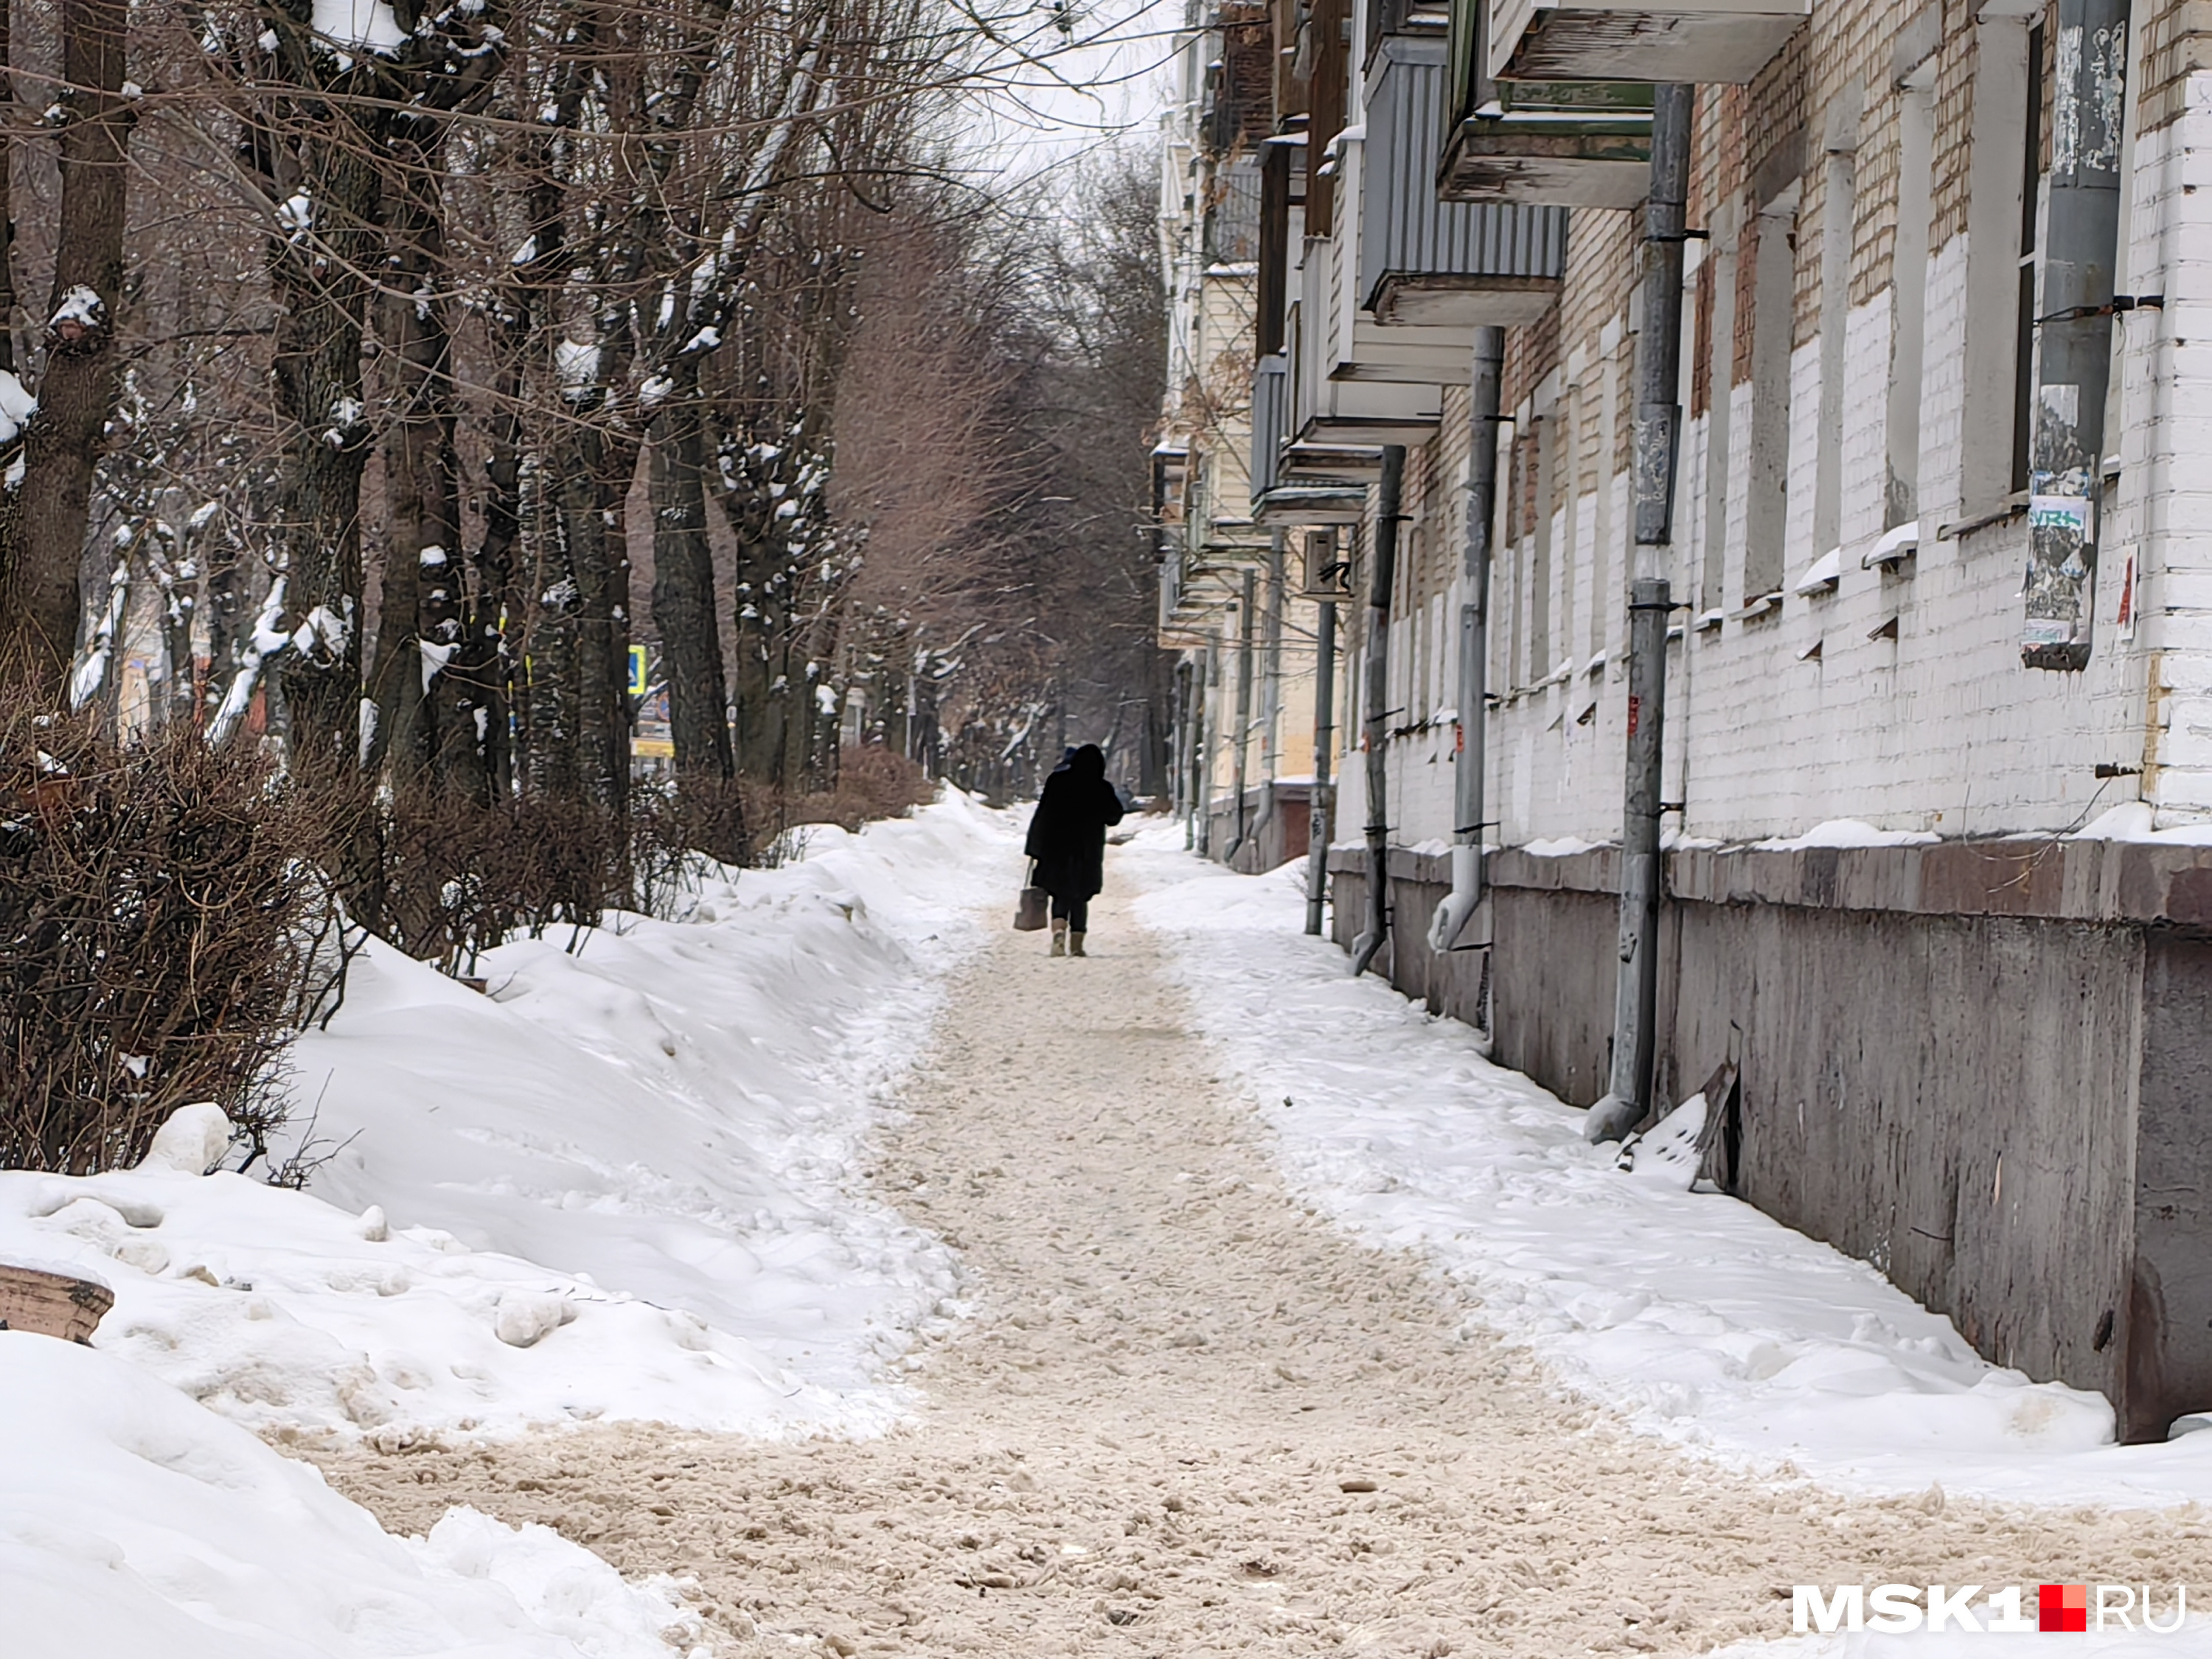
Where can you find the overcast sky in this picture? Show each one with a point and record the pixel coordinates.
(1112, 76)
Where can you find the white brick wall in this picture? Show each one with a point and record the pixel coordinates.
(1941, 728)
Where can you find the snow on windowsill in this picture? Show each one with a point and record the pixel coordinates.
(1825, 576)
(1896, 545)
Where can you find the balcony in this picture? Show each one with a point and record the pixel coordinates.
(1424, 263)
(1719, 41)
(1301, 505)
(1287, 493)
(1576, 143)
(1271, 421)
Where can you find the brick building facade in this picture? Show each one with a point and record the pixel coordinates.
(1971, 1042)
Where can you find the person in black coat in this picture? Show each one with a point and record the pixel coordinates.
(1067, 839)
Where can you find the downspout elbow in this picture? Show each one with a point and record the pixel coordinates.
(1457, 907)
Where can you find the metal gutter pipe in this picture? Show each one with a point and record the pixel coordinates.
(1657, 436)
(1374, 716)
(1451, 915)
(1245, 622)
(1319, 810)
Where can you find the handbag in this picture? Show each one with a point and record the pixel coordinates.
(1033, 912)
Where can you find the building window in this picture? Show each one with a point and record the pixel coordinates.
(1774, 262)
(1908, 293)
(2000, 215)
(1839, 216)
(1540, 649)
(1717, 299)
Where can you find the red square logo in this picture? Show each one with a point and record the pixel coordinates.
(2063, 1608)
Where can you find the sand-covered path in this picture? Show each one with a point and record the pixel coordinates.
(1190, 1418)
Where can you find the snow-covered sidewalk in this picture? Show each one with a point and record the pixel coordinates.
(1698, 1316)
(626, 1195)
(623, 1183)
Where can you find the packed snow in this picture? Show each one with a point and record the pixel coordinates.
(133, 1522)
(624, 1182)
(1700, 1318)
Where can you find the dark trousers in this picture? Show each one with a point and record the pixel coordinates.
(1076, 913)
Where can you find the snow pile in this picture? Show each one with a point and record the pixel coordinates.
(1699, 1316)
(131, 1521)
(624, 1184)
(2137, 820)
(1559, 847)
(1847, 832)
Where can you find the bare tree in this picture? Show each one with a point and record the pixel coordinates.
(42, 531)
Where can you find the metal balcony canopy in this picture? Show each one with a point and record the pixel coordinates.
(1725, 42)
(1331, 464)
(1356, 412)
(1576, 143)
(1423, 261)
(1290, 505)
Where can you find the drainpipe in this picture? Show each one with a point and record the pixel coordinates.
(1181, 780)
(2073, 358)
(1375, 718)
(1245, 623)
(1202, 767)
(1271, 692)
(1319, 810)
(1658, 429)
(1451, 915)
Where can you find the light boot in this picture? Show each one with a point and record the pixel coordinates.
(1060, 938)
(1075, 944)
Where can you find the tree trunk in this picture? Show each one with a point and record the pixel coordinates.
(42, 540)
(322, 287)
(589, 490)
(683, 586)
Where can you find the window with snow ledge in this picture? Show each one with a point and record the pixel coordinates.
(1822, 577)
(1761, 607)
(2000, 249)
(1773, 257)
(1892, 549)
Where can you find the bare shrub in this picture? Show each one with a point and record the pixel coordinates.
(164, 933)
(873, 781)
(447, 878)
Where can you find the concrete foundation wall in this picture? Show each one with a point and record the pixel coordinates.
(1278, 837)
(1985, 1069)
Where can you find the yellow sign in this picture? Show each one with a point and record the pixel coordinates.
(637, 670)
